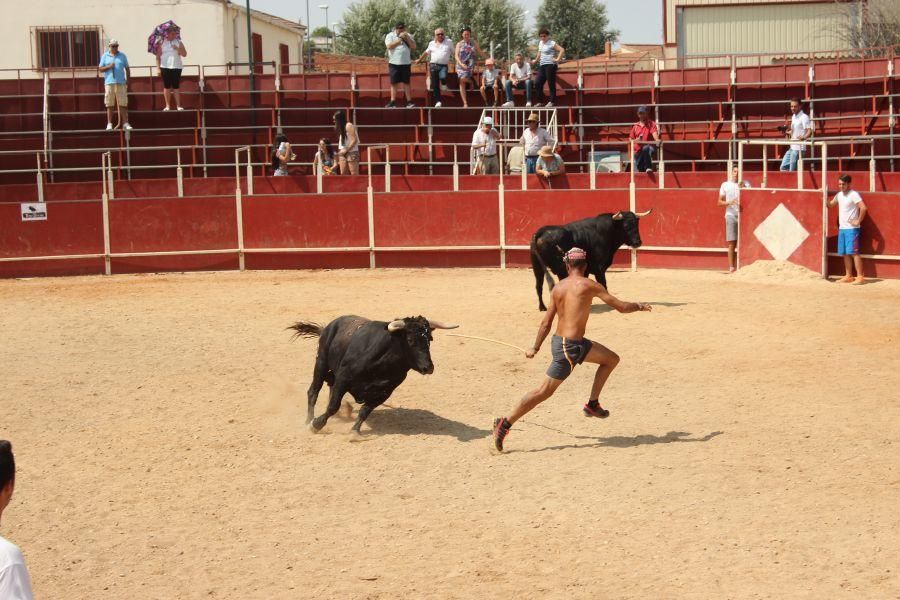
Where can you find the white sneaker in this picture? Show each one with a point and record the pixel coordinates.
(180, 108)
(128, 127)
(410, 105)
(444, 87)
(109, 126)
(438, 105)
(166, 108)
(549, 104)
(528, 105)
(508, 104)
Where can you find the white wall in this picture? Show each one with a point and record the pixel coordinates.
(207, 30)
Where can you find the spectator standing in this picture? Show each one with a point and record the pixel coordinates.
(851, 212)
(281, 155)
(534, 138)
(519, 79)
(467, 51)
(348, 144)
(324, 157)
(117, 72)
(15, 584)
(484, 147)
(490, 80)
(550, 54)
(549, 164)
(799, 130)
(730, 198)
(643, 131)
(399, 43)
(168, 61)
(439, 52)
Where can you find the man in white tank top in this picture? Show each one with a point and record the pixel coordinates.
(15, 583)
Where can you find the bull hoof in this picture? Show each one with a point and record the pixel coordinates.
(312, 427)
(542, 308)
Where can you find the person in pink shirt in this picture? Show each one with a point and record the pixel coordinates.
(645, 130)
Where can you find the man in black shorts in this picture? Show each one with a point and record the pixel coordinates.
(571, 299)
(399, 44)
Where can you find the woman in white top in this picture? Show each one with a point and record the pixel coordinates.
(168, 60)
(549, 55)
(348, 144)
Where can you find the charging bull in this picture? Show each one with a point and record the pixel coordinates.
(600, 236)
(367, 359)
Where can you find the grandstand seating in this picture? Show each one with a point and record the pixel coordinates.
(697, 109)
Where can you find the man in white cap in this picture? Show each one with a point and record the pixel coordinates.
(484, 148)
(571, 299)
(116, 73)
(490, 80)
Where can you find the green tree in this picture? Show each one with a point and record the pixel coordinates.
(321, 31)
(579, 26)
(365, 24)
(487, 19)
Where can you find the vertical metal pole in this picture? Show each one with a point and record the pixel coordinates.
(107, 263)
(765, 159)
(239, 212)
(250, 58)
(249, 173)
(524, 171)
(455, 171)
(370, 212)
(40, 178)
(387, 169)
(824, 210)
(662, 168)
(593, 169)
(179, 175)
(741, 164)
(631, 155)
(501, 209)
(872, 165)
(632, 201)
(319, 176)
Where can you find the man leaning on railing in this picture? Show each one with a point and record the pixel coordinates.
(643, 131)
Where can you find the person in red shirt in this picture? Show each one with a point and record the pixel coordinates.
(643, 131)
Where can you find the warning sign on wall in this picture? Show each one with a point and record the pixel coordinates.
(34, 211)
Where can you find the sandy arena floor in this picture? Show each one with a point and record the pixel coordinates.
(753, 449)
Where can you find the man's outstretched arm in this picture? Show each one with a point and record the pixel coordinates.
(619, 305)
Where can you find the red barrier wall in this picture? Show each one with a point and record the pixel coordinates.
(758, 205)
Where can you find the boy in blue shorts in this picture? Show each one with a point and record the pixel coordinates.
(851, 212)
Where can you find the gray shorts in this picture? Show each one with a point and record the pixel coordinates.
(731, 229)
(566, 354)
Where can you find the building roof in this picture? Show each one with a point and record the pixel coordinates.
(263, 16)
(624, 57)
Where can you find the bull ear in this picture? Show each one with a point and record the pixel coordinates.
(618, 216)
(396, 325)
(643, 214)
(439, 325)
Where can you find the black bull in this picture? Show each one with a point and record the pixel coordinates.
(367, 359)
(599, 236)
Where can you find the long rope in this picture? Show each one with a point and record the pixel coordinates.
(484, 339)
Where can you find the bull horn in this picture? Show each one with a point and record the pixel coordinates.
(643, 214)
(396, 325)
(439, 325)
(618, 216)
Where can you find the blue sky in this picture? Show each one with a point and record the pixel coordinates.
(640, 21)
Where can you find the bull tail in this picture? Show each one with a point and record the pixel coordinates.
(540, 272)
(306, 329)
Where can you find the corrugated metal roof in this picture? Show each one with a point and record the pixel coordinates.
(670, 32)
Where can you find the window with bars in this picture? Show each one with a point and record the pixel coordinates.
(67, 47)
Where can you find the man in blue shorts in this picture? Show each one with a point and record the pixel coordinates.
(571, 299)
(851, 212)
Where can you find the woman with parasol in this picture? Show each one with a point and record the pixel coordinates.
(165, 42)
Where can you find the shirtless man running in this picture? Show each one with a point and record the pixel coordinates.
(572, 299)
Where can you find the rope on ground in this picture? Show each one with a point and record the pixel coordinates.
(484, 339)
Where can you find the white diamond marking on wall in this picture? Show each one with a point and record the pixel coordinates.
(781, 233)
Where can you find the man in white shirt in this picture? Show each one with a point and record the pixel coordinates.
(800, 130)
(851, 212)
(399, 43)
(439, 52)
(730, 198)
(14, 581)
(519, 79)
(484, 148)
(534, 138)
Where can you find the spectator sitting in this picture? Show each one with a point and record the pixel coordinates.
(14, 581)
(643, 131)
(520, 79)
(281, 154)
(116, 73)
(490, 80)
(549, 164)
(324, 157)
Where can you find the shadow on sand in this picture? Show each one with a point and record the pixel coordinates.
(416, 421)
(604, 308)
(620, 441)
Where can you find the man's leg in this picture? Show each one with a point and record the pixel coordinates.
(533, 398)
(509, 92)
(732, 261)
(394, 92)
(483, 94)
(857, 262)
(786, 161)
(110, 113)
(539, 84)
(436, 84)
(848, 267)
(607, 361)
(167, 94)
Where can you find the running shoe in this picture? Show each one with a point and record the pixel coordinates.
(390, 104)
(599, 412)
(501, 430)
